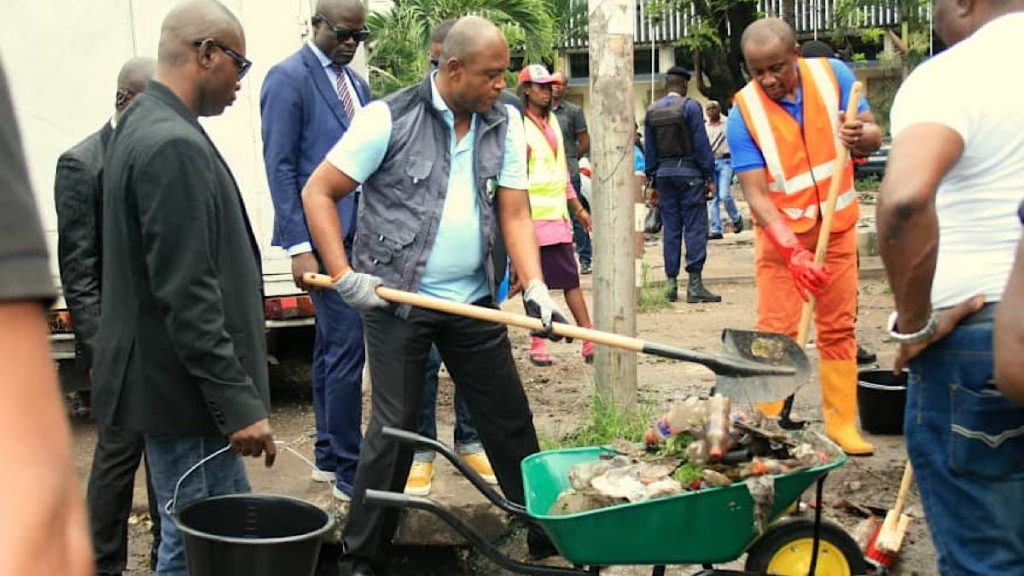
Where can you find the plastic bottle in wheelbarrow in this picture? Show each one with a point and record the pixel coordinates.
(687, 417)
(716, 435)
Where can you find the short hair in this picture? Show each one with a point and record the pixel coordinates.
(766, 30)
(816, 49)
(442, 30)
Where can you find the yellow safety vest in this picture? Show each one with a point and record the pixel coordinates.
(548, 172)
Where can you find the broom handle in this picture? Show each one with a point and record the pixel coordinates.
(839, 167)
(901, 496)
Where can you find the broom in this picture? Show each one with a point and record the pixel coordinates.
(886, 544)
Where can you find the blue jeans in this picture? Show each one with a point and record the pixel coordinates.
(966, 443)
(170, 456)
(579, 236)
(684, 215)
(467, 441)
(723, 180)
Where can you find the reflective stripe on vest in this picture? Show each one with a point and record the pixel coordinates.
(548, 173)
(800, 160)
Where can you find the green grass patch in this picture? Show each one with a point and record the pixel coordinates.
(867, 183)
(607, 423)
(651, 296)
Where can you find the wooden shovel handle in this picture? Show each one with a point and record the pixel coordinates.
(842, 158)
(491, 315)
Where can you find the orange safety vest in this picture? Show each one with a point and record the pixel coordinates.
(800, 160)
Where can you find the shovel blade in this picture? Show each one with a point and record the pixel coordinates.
(765, 348)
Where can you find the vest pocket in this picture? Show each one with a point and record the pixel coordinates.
(387, 249)
(986, 433)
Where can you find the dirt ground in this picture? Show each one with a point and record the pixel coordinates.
(560, 396)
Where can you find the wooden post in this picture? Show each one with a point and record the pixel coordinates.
(611, 154)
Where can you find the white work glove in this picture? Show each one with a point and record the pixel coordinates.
(539, 304)
(360, 290)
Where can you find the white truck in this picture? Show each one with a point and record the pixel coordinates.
(62, 58)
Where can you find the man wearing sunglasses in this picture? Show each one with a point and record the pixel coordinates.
(78, 190)
(181, 351)
(307, 103)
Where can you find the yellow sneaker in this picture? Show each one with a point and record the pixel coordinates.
(420, 476)
(481, 465)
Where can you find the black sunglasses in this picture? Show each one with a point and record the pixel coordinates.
(343, 34)
(241, 62)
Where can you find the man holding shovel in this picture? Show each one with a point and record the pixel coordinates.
(434, 161)
(948, 229)
(782, 135)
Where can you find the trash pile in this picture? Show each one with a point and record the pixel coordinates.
(698, 444)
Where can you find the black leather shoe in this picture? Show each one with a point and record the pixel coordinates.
(715, 236)
(737, 226)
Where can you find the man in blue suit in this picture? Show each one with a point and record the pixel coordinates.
(307, 103)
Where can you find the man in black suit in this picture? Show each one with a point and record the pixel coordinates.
(77, 193)
(181, 351)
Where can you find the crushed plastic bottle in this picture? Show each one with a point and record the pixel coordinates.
(716, 435)
(686, 417)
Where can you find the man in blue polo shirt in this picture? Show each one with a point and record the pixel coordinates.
(439, 164)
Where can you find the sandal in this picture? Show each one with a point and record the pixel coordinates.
(539, 352)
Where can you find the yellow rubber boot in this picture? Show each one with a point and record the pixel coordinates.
(773, 409)
(839, 406)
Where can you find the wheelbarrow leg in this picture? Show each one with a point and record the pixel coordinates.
(397, 500)
(658, 571)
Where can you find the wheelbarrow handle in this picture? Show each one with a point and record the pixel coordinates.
(396, 500)
(407, 437)
(717, 363)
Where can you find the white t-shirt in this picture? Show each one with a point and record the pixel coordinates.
(972, 91)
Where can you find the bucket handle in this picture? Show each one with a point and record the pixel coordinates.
(171, 506)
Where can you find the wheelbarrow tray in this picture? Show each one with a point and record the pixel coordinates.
(706, 526)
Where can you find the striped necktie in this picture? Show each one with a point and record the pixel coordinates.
(344, 93)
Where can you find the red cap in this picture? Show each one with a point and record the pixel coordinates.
(537, 74)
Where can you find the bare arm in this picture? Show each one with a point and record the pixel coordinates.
(583, 141)
(517, 231)
(42, 527)
(908, 226)
(324, 189)
(755, 189)
(1009, 333)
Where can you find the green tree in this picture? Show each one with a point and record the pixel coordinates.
(401, 35)
(716, 52)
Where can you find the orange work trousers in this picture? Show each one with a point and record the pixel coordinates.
(835, 311)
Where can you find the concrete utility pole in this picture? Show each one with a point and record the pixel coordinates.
(611, 154)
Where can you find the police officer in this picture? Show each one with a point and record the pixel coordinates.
(678, 157)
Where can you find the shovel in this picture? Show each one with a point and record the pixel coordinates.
(760, 359)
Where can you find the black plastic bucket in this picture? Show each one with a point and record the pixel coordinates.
(252, 535)
(881, 400)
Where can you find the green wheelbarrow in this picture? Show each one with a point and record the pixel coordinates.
(705, 527)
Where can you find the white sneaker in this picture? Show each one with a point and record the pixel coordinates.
(319, 475)
(340, 496)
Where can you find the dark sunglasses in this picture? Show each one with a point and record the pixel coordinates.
(241, 62)
(343, 34)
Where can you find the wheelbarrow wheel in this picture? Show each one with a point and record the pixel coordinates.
(785, 550)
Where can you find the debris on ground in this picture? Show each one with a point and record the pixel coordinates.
(698, 444)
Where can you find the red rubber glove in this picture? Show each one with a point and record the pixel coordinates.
(807, 276)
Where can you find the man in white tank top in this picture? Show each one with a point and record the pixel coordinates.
(948, 228)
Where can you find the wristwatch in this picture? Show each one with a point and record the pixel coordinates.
(922, 335)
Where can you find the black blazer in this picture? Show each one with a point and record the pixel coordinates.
(77, 192)
(181, 347)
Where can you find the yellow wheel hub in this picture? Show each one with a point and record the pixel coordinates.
(794, 559)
